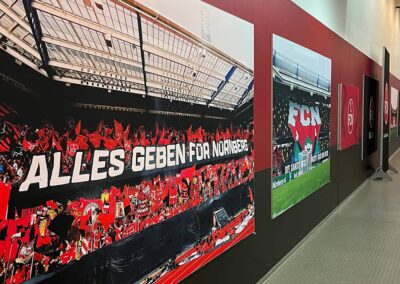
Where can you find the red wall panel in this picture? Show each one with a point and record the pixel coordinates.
(286, 19)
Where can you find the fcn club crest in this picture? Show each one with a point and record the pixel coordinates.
(350, 116)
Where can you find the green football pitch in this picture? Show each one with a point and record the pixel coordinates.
(296, 190)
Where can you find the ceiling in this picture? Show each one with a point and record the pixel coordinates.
(121, 46)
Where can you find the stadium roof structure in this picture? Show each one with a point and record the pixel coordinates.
(293, 74)
(124, 46)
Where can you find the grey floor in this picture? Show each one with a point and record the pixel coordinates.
(359, 243)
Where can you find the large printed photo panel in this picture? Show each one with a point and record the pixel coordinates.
(151, 175)
(300, 130)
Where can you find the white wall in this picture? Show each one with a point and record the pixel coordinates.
(366, 24)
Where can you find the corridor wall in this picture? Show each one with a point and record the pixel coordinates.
(253, 258)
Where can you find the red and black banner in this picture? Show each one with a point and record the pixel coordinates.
(107, 196)
(370, 116)
(349, 102)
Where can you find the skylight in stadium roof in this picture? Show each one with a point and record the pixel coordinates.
(98, 43)
(17, 33)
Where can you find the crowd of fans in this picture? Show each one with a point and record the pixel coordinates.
(20, 142)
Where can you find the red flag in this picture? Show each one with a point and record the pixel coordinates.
(165, 192)
(95, 139)
(227, 134)
(114, 192)
(126, 201)
(51, 204)
(16, 130)
(37, 256)
(107, 132)
(42, 241)
(110, 144)
(217, 138)
(80, 139)
(11, 228)
(99, 127)
(2, 248)
(25, 219)
(126, 132)
(83, 220)
(118, 130)
(161, 140)
(25, 144)
(190, 134)
(78, 128)
(349, 109)
(11, 250)
(4, 197)
(4, 147)
(106, 219)
(189, 172)
(200, 134)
